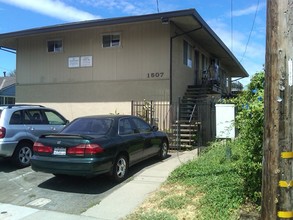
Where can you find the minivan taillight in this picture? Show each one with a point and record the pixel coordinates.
(85, 149)
(40, 148)
(2, 132)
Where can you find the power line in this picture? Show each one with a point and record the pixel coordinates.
(232, 25)
(158, 10)
(256, 10)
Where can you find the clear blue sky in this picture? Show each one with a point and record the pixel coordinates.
(241, 24)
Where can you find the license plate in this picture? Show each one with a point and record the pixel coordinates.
(59, 151)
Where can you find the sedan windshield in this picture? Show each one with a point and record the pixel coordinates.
(89, 126)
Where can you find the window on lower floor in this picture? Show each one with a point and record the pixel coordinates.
(111, 40)
(5, 100)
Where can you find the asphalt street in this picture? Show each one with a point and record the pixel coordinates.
(97, 198)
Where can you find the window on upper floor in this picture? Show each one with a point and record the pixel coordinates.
(111, 40)
(187, 54)
(54, 46)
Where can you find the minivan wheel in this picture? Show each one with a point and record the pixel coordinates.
(120, 168)
(22, 154)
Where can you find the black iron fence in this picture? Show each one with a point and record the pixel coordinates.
(164, 115)
(154, 112)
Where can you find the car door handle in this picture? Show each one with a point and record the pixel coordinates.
(53, 128)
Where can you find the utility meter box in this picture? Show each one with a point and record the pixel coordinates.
(225, 121)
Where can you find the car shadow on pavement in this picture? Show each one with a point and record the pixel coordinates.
(95, 185)
(75, 184)
(7, 166)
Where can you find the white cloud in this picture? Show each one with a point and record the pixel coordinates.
(249, 10)
(52, 8)
(130, 7)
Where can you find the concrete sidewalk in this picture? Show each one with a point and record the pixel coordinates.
(117, 205)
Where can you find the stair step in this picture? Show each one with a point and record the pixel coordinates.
(196, 94)
(186, 122)
(187, 135)
(186, 108)
(186, 141)
(193, 99)
(186, 146)
(181, 125)
(185, 127)
(185, 131)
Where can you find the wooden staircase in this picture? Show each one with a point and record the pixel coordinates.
(186, 133)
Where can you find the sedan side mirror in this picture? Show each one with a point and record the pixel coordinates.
(155, 128)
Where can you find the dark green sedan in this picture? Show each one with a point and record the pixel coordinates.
(93, 145)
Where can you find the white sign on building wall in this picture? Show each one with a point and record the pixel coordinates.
(73, 62)
(86, 61)
(83, 61)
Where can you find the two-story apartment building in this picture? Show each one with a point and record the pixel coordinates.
(101, 66)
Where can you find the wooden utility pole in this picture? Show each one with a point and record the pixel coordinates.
(277, 184)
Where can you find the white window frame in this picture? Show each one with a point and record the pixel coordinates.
(55, 48)
(112, 41)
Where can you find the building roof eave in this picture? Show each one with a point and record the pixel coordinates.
(206, 35)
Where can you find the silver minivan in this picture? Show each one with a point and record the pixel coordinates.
(21, 125)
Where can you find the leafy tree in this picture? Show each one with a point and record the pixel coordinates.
(250, 121)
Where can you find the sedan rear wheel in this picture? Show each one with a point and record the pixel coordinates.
(120, 168)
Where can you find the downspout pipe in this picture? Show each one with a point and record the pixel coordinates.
(171, 57)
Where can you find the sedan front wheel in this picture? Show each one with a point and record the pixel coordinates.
(120, 168)
(164, 150)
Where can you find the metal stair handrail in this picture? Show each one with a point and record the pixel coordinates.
(192, 113)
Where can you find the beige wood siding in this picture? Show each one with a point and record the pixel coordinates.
(144, 49)
(117, 75)
(182, 75)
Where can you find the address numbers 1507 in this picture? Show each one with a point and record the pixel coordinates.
(155, 75)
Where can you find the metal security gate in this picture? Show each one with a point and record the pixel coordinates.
(167, 117)
(157, 113)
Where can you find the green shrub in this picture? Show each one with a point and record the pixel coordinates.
(250, 122)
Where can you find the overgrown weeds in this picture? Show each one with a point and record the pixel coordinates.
(206, 188)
